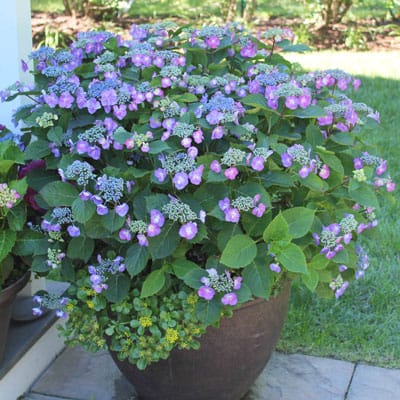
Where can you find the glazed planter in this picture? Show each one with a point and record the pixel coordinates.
(7, 297)
(228, 362)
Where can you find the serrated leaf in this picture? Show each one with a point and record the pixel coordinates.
(192, 278)
(239, 251)
(311, 279)
(258, 277)
(39, 264)
(112, 221)
(80, 248)
(55, 135)
(277, 230)
(314, 182)
(166, 242)
(343, 138)
(37, 150)
(31, 243)
(299, 220)
(83, 210)
(314, 135)
(319, 261)
(292, 258)
(209, 312)
(182, 266)
(309, 112)
(158, 146)
(364, 196)
(153, 283)
(118, 287)
(136, 259)
(17, 217)
(59, 194)
(7, 241)
(255, 100)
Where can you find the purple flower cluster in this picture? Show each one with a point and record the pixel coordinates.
(216, 283)
(334, 236)
(298, 154)
(103, 270)
(232, 209)
(381, 177)
(143, 230)
(8, 197)
(52, 302)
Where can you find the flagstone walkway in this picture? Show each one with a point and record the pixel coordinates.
(78, 375)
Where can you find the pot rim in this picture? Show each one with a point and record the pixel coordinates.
(17, 285)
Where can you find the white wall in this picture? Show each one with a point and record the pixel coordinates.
(15, 44)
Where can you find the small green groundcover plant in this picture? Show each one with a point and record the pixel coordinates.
(185, 172)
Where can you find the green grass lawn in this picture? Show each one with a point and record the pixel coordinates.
(364, 324)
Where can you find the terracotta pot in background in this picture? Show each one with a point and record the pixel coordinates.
(7, 297)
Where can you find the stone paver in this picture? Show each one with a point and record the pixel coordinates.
(374, 383)
(299, 377)
(79, 375)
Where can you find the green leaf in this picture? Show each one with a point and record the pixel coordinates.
(332, 161)
(39, 264)
(56, 135)
(277, 178)
(258, 277)
(7, 241)
(314, 135)
(299, 220)
(277, 230)
(226, 234)
(118, 287)
(153, 283)
(58, 194)
(311, 279)
(314, 182)
(80, 248)
(182, 266)
(239, 251)
(31, 243)
(37, 150)
(136, 259)
(342, 257)
(185, 98)
(39, 177)
(343, 138)
(292, 258)
(83, 210)
(192, 278)
(166, 242)
(364, 196)
(319, 262)
(17, 217)
(158, 146)
(309, 112)
(94, 229)
(209, 312)
(121, 135)
(255, 226)
(256, 100)
(112, 221)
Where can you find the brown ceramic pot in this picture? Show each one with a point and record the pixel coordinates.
(228, 362)
(7, 297)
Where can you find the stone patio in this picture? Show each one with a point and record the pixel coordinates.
(78, 375)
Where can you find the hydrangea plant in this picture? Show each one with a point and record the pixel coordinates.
(13, 210)
(187, 171)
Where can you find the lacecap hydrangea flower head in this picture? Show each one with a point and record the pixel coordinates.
(188, 171)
